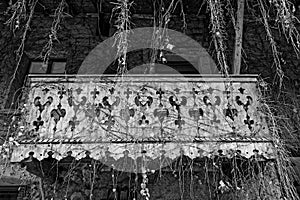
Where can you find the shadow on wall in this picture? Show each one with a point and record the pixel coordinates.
(296, 164)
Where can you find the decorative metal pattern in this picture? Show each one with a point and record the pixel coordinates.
(97, 113)
(107, 109)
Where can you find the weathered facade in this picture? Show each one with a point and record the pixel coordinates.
(144, 115)
(175, 115)
(78, 35)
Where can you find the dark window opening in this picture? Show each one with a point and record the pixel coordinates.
(52, 67)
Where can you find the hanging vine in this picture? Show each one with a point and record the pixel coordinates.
(19, 13)
(58, 15)
(285, 17)
(284, 169)
(276, 53)
(162, 16)
(122, 11)
(219, 34)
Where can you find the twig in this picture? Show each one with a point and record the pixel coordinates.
(20, 50)
(58, 15)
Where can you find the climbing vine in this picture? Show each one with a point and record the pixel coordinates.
(22, 12)
(58, 16)
(122, 12)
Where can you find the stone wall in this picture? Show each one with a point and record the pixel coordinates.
(78, 36)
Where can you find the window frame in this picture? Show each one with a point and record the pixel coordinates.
(49, 65)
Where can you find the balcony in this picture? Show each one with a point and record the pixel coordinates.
(151, 112)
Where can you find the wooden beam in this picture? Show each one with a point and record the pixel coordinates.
(238, 37)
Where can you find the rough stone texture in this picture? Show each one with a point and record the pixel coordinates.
(257, 48)
(180, 183)
(78, 36)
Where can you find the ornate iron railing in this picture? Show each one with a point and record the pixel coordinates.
(150, 112)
